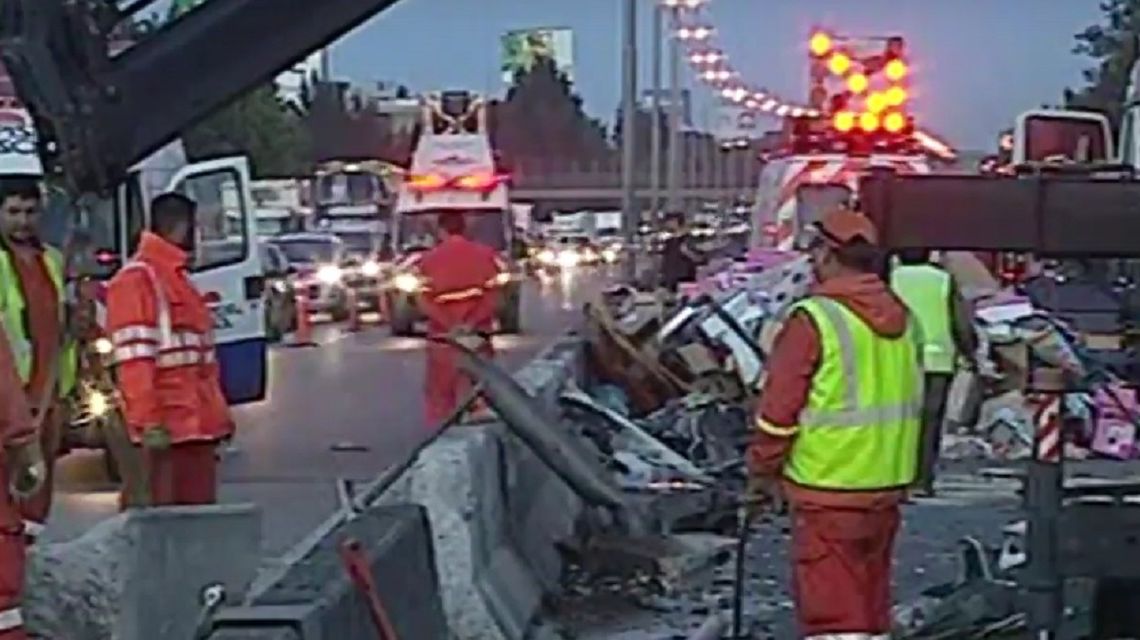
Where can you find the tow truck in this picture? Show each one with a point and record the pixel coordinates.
(1066, 205)
(453, 169)
(104, 122)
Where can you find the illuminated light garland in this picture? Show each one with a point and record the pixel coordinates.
(712, 66)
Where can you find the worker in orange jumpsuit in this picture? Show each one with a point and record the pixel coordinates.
(33, 306)
(162, 332)
(23, 470)
(837, 432)
(459, 297)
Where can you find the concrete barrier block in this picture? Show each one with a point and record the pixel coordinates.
(457, 480)
(139, 576)
(326, 603)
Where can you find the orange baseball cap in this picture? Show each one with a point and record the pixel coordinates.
(843, 226)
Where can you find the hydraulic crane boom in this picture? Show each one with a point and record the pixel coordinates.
(98, 114)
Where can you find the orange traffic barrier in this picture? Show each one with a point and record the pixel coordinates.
(303, 332)
(353, 311)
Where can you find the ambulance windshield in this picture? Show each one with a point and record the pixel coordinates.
(417, 231)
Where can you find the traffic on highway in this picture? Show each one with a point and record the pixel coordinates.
(318, 358)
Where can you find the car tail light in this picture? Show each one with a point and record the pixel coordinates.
(479, 181)
(426, 182)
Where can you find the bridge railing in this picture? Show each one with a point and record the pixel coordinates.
(726, 171)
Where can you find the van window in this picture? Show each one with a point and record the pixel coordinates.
(221, 221)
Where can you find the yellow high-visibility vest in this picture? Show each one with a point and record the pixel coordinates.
(13, 315)
(860, 427)
(926, 291)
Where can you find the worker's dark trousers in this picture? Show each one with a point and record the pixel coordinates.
(933, 416)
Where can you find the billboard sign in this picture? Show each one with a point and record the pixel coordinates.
(737, 123)
(521, 49)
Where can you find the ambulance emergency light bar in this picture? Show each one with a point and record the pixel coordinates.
(482, 183)
(1051, 215)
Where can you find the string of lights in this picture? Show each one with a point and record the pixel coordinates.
(711, 65)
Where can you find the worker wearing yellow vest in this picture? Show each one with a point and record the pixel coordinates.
(837, 432)
(33, 309)
(948, 338)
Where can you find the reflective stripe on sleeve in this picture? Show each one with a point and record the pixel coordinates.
(136, 351)
(774, 429)
(11, 619)
(183, 358)
(135, 333)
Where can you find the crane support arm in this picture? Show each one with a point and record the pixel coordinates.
(99, 114)
(1052, 215)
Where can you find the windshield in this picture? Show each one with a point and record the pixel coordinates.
(350, 189)
(1053, 138)
(359, 242)
(308, 251)
(417, 231)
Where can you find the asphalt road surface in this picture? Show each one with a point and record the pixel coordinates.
(348, 408)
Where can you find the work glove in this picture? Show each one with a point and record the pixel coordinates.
(764, 493)
(28, 469)
(156, 438)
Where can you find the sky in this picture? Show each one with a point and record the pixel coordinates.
(977, 63)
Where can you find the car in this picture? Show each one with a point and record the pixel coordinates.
(366, 266)
(280, 294)
(318, 264)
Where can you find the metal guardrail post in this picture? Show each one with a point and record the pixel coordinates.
(1043, 503)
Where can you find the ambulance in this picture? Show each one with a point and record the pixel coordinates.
(453, 169)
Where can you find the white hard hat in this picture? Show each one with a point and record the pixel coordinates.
(19, 153)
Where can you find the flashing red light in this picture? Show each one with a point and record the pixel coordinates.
(820, 44)
(869, 122)
(894, 122)
(896, 70)
(844, 121)
(479, 182)
(839, 64)
(426, 182)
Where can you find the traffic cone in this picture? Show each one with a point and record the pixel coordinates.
(303, 333)
(353, 311)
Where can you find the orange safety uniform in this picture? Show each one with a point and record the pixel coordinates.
(45, 332)
(460, 290)
(16, 428)
(162, 331)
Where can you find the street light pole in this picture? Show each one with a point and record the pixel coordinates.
(674, 194)
(630, 214)
(655, 108)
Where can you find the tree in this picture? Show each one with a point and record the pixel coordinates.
(1113, 45)
(258, 125)
(542, 118)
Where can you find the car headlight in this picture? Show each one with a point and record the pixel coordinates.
(103, 346)
(546, 256)
(98, 404)
(609, 255)
(370, 268)
(568, 258)
(407, 282)
(330, 274)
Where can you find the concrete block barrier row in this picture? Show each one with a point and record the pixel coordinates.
(462, 544)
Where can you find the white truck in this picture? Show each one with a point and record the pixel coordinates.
(453, 169)
(278, 206)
